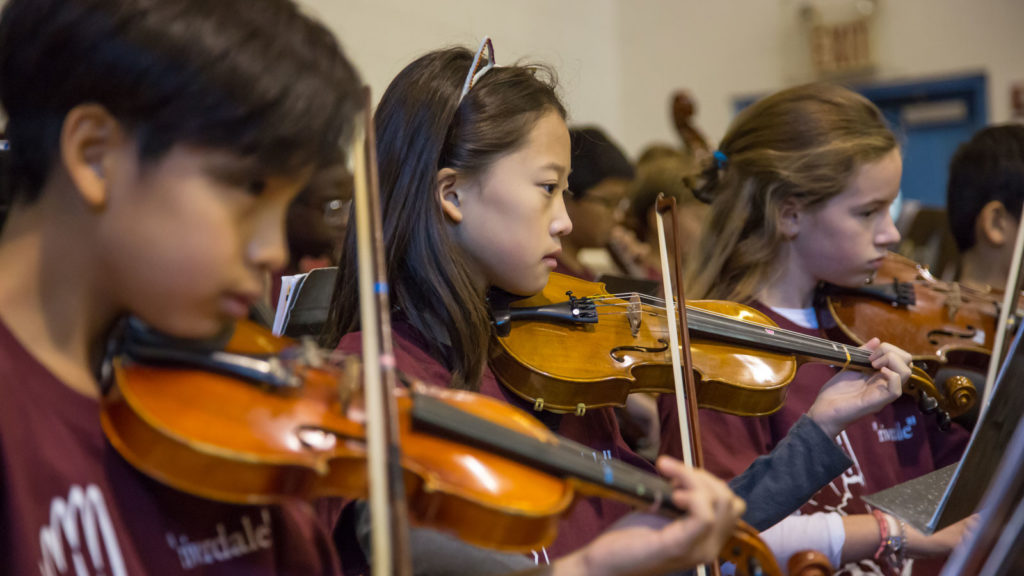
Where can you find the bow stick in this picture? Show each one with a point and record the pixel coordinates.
(388, 511)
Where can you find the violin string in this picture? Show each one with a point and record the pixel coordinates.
(726, 325)
(627, 296)
(564, 457)
(818, 347)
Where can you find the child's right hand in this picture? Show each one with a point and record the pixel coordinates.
(849, 395)
(941, 543)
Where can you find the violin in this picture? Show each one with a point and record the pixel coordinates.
(939, 323)
(265, 419)
(569, 353)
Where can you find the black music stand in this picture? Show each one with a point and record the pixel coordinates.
(940, 498)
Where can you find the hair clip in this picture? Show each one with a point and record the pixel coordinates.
(721, 160)
(482, 62)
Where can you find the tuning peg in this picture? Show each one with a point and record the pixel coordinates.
(927, 404)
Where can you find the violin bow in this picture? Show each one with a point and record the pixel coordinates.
(389, 513)
(686, 387)
(1008, 310)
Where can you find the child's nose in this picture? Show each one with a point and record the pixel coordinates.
(889, 234)
(561, 224)
(268, 245)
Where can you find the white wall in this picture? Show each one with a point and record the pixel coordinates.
(382, 36)
(619, 60)
(739, 47)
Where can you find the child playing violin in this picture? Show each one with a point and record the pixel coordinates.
(155, 149)
(800, 190)
(148, 178)
(473, 168)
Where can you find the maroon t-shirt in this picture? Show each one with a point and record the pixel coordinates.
(598, 429)
(897, 444)
(70, 505)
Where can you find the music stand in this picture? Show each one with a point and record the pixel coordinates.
(940, 498)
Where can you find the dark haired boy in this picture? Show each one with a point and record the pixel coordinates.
(984, 198)
(155, 146)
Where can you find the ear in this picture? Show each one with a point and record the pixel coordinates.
(789, 218)
(448, 195)
(993, 224)
(88, 140)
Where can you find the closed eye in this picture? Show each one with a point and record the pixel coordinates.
(870, 211)
(242, 176)
(257, 186)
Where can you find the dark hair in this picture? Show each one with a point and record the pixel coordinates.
(5, 196)
(255, 77)
(421, 128)
(802, 144)
(594, 158)
(988, 167)
(664, 171)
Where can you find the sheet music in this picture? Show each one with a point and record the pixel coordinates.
(290, 287)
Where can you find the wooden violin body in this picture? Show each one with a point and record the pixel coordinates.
(473, 466)
(936, 322)
(227, 439)
(571, 355)
(939, 323)
(208, 435)
(569, 367)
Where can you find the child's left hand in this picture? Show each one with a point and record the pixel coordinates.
(850, 395)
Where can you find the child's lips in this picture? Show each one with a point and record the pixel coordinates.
(237, 305)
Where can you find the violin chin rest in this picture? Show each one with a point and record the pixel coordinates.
(138, 336)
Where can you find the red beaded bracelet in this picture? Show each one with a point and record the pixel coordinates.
(891, 544)
(883, 529)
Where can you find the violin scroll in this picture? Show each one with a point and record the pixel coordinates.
(809, 563)
(957, 396)
(749, 553)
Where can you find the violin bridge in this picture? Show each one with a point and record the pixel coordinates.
(352, 376)
(953, 302)
(634, 313)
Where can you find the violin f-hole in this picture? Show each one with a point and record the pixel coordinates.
(969, 333)
(616, 353)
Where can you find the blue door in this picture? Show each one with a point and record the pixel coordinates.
(934, 118)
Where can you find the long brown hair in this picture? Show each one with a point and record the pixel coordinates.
(421, 128)
(803, 144)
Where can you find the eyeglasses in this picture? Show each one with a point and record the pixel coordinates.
(482, 62)
(336, 211)
(610, 202)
